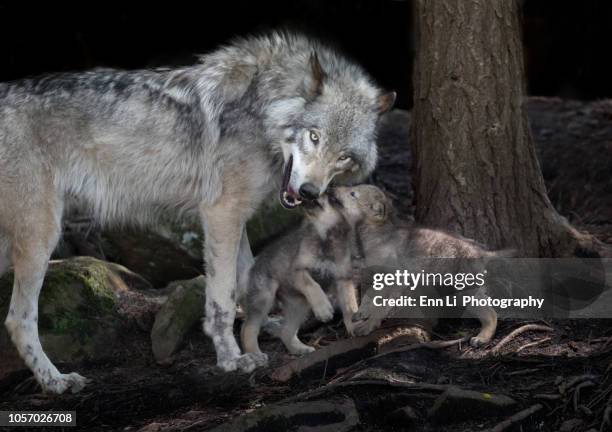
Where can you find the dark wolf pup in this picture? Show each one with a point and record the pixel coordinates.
(278, 112)
(386, 240)
(291, 270)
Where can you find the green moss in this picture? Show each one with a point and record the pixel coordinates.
(77, 308)
(76, 295)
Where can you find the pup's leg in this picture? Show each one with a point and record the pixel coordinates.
(295, 311)
(259, 302)
(488, 324)
(316, 297)
(31, 249)
(347, 300)
(223, 226)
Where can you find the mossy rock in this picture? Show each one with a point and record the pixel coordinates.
(180, 313)
(78, 307)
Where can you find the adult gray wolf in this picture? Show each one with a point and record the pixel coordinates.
(299, 270)
(279, 111)
(386, 240)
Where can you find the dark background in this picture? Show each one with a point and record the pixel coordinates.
(568, 43)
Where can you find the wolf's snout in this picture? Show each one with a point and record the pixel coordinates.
(309, 191)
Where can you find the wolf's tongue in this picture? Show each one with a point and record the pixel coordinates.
(287, 173)
(286, 194)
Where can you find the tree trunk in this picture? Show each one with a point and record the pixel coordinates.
(476, 170)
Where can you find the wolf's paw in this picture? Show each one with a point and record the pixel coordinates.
(250, 361)
(302, 349)
(324, 311)
(244, 363)
(62, 382)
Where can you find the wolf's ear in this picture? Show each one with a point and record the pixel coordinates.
(385, 102)
(314, 83)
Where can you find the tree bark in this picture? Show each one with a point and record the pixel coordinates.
(476, 170)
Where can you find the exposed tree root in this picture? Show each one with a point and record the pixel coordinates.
(518, 331)
(516, 418)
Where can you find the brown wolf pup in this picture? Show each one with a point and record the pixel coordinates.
(386, 240)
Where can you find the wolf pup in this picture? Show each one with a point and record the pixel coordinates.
(386, 240)
(276, 112)
(293, 270)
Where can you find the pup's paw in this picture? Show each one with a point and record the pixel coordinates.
(478, 341)
(324, 311)
(366, 326)
(63, 382)
(302, 349)
(350, 328)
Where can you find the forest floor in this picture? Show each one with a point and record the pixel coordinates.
(556, 376)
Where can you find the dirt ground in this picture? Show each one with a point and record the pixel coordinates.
(559, 375)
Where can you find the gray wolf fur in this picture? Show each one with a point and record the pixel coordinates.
(277, 112)
(386, 240)
(297, 270)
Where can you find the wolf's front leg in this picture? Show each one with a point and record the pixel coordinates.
(223, 229)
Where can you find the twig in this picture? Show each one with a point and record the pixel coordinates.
(438, 344)
(565, 386)
(516, 418)
(577, 392)
(547, 396)
(606, 418)
(522, 372)
(532, 344)
(518, 331)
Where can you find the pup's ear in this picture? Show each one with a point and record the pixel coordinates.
(314, 83)
(385, 102)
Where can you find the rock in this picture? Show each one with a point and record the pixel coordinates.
(157, 259)
(457, 404)
(179, 314)
(323, 416)
(83, 306)
(185, 234)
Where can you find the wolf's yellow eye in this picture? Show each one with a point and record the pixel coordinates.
(343, 158)
(314, 137)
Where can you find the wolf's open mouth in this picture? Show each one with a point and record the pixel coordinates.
(288, 198)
